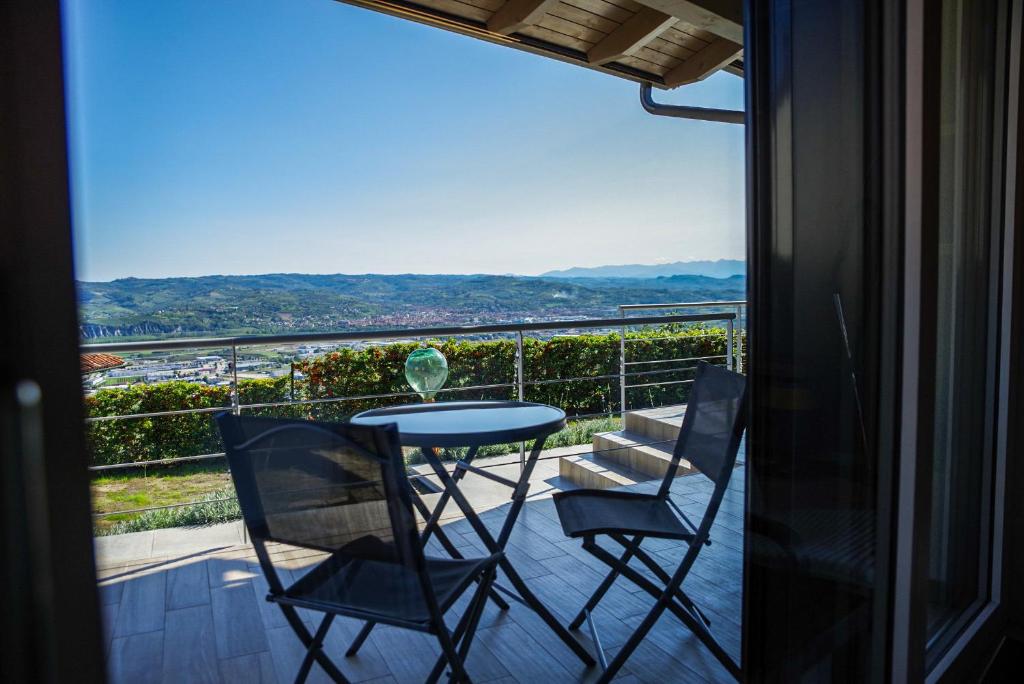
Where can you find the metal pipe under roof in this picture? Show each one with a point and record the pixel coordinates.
(731, 116)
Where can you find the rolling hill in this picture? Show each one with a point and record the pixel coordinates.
(722, 268)
(255, 304)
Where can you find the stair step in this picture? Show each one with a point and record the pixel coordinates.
(656, 424)
(595, 472)
(634, 451)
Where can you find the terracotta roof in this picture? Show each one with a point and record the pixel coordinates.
(94, 362)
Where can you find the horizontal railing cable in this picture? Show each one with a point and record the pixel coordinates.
(689, 358)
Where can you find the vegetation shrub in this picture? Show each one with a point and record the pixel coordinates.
(151, 438)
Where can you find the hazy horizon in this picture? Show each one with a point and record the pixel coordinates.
(356, 274)
(371, 273)
(206, 138)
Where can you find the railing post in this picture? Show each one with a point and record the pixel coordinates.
(521, 391)
(728, 344)
(235, 399)
(739, 341)
(236, 408)
(622, 367)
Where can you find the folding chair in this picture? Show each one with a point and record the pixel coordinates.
(342, 489)
(709, 439)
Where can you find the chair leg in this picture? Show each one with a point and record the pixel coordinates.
(644, 558)
(459, 673)
(604, 586)
(360, 638)
(445, 542)
(295, 622)
(466, 628)
(486, 582)
(667, 598)
(314, 647)
(681, 595)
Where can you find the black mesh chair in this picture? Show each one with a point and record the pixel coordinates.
(342, 489)
(709, 439)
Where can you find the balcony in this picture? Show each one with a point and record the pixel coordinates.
(193, 610)
(186, 603)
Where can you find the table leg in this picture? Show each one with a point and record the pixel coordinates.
(434, 519)
(433, 527)
(518, 499)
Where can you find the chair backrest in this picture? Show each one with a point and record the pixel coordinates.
(716, 415)
(320, 485)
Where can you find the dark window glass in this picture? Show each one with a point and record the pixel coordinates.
(966, 275)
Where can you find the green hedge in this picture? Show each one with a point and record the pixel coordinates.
(381, 371)
(158, 437)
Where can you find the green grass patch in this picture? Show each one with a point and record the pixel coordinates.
(115, 491)
(210, 511)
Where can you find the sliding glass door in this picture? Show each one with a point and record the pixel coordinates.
(882, 149)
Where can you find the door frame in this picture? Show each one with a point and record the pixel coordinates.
(47, 527)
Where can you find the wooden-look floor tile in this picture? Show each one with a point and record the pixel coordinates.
(190, 653)
(237, 622)
(270, 612)
(223, 571)
(253, 668)
(108, 615)
(288, 653)
(675, 639)
(136, 659)
(522, 656)
(366, 665)
(188, 585)
(143, 602)
(652, 665)
(111, 591)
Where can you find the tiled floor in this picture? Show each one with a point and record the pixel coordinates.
(181, 609)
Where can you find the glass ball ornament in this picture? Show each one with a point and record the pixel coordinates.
(426, 371)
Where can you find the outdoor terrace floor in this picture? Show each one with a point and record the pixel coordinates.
(194, 612)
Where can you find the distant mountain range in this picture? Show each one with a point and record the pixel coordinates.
(286, 302)
(722, 268)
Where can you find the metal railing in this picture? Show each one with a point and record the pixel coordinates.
(519, 383)
(734, 356)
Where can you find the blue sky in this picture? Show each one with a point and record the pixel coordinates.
(280, 136)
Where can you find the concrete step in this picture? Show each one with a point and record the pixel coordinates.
(636, 452)
(594, 472)
(656, 424)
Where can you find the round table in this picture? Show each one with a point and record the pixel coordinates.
(467, 423)
(432, 426)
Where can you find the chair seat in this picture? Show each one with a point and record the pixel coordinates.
(585, 512)
(365, 578)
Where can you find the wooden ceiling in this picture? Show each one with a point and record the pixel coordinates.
(667, 43)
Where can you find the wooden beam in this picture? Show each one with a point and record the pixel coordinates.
(704, 63)
(516, 14)
(630, 36)
(724, 18)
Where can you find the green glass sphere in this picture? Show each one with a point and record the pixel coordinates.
(426, 370)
